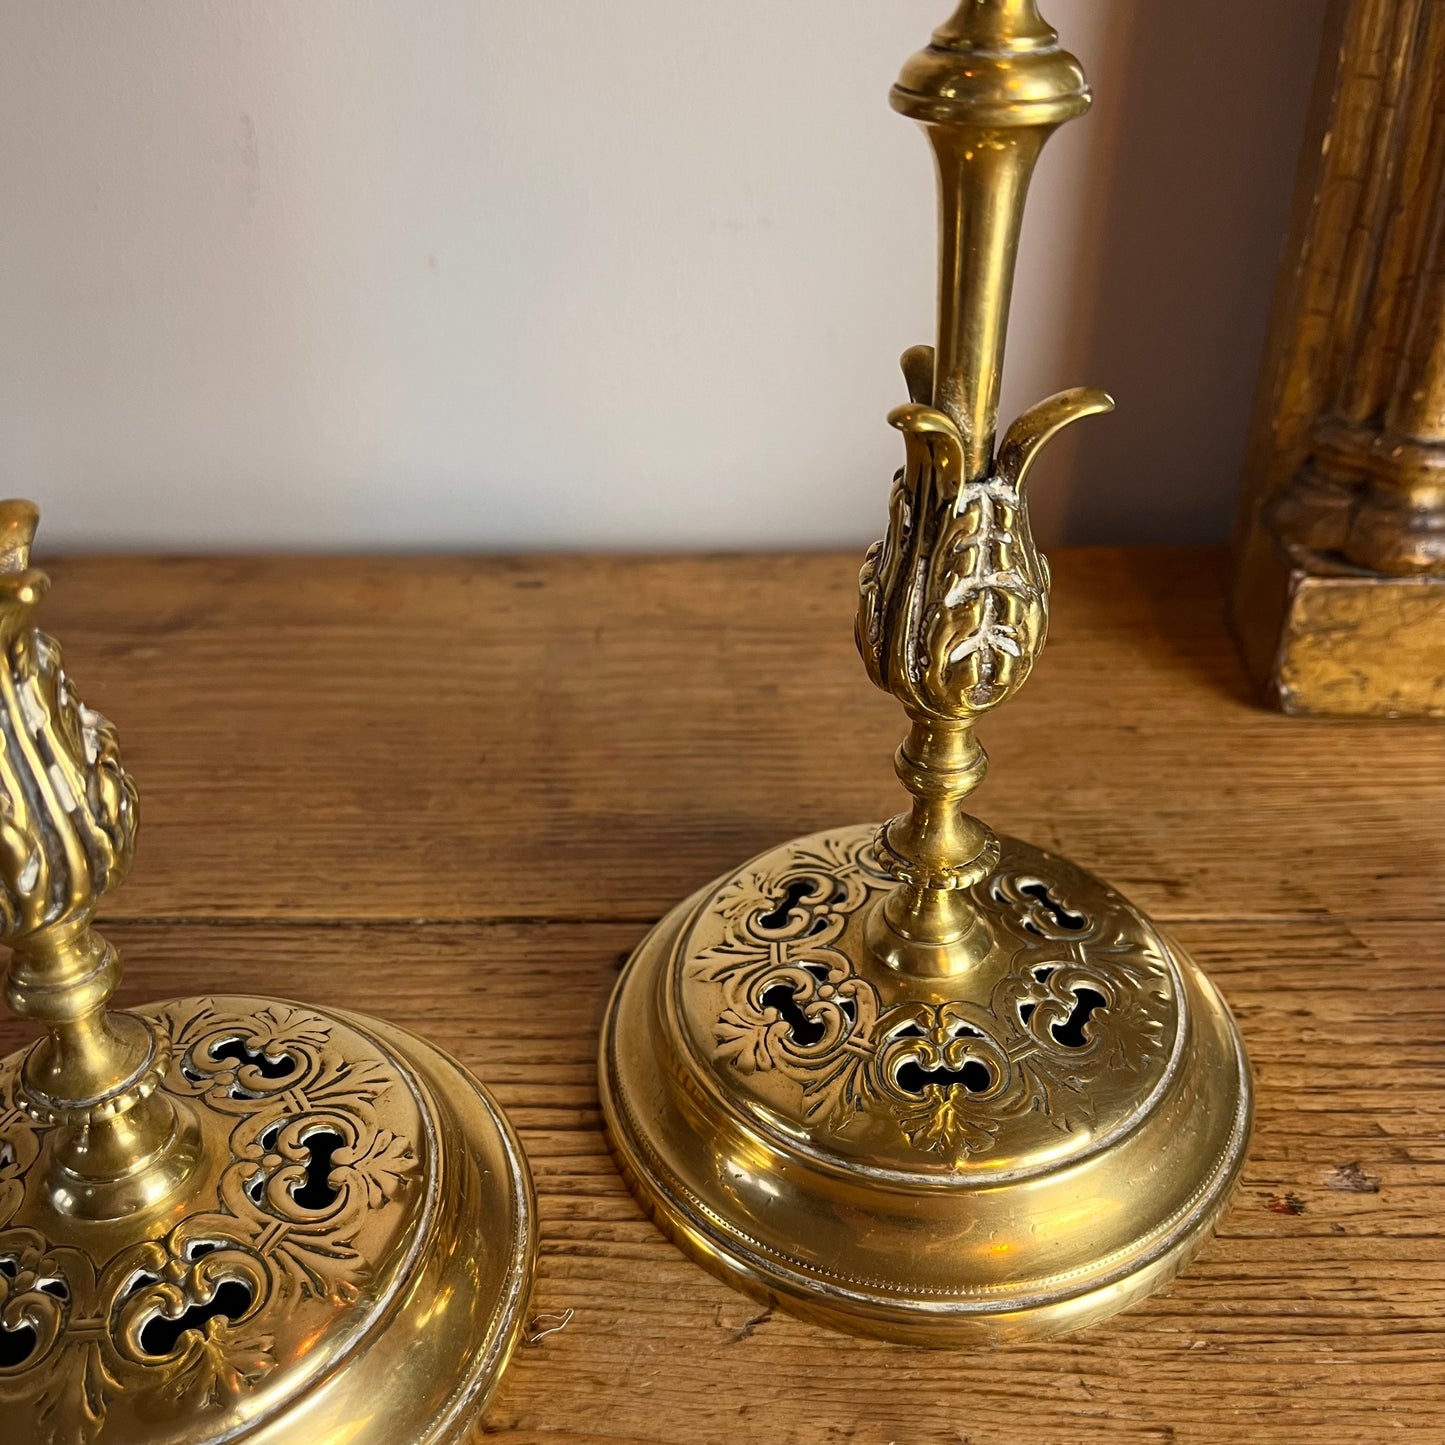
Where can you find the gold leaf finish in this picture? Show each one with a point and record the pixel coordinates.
(1340, 548)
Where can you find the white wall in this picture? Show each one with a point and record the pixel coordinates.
(596, 273)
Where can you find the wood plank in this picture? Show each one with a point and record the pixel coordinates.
(453, 739)
(1326, 1323)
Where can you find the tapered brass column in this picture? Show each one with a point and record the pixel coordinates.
(989, 91)
(918, 1080)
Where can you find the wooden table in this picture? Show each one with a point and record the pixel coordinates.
(456, 791)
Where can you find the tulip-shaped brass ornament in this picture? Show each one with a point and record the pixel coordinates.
(221, 1218)
(921, 1081)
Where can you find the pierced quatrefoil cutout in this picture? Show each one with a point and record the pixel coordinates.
(816, 892)
(317, 1192)
(1060, 915)
(159, 1336)
(250, 1065)
(1070, 1033)
(17, 1343)
(235, 1051)
(803, 1031)
(975, 1076)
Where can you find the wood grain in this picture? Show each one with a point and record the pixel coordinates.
(457, 739)
(454, 792)
(1323, 1324)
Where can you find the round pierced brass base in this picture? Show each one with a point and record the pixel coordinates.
(349, 1259)
(1013, 1151)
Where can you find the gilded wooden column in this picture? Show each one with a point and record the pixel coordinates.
(1339, 598)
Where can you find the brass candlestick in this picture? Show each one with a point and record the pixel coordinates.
(921, 1081)
(221, 1218)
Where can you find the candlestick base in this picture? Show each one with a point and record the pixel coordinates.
(349, 1259)
(1015, 1150)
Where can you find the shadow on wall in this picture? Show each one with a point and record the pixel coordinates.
(1192, 145)
(330, 277)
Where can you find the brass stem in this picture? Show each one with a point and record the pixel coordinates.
(117, 1145)
(928, 925)
(981, 182)
(990, 90)
(62, 978)
(114, 1145)
(954, 600)
(940, 763)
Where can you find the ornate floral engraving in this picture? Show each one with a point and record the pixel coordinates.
(193, 1318)
(1082, 1000)
(19, 1145)
(94, 799)
(953, 601)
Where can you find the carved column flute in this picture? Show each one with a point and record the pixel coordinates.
(953, 605)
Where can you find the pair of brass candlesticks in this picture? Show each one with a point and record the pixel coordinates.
(917, 1081)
